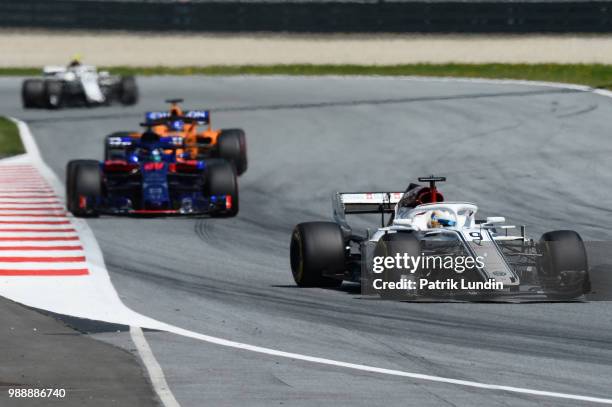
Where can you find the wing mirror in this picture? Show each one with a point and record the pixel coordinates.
(492, 221)
(495, 219)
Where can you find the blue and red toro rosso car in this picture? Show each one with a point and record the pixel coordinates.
(151, 178)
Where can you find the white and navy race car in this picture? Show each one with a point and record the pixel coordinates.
(430, 248)
(77, 85)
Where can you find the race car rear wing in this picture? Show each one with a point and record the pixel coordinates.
(167, 142)
(347, 203)
(193, 116)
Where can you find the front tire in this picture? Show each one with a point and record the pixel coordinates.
(128, 91)
(221, 180)
(390, 245)
(83, 187)
(317, 248)
(563, 267)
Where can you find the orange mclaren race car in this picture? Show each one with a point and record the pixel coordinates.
(198, 144)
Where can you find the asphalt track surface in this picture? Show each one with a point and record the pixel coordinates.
(42, 353)
(539, 156)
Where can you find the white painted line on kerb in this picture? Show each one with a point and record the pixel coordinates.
(146, 322)
(156, 374)
(41, 243)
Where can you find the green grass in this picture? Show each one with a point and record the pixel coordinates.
(595, 75)
(10, 142)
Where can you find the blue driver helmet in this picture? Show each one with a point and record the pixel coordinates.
(176, 125)
(156, 155)
(441, 219)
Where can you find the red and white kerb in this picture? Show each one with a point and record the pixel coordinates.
(36, 236)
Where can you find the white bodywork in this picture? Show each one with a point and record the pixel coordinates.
(87, 75)
(478, 238)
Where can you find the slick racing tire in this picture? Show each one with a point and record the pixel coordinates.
(83, 187)
(114, 152)
(390, 245)
(563, 267)
(53, 94)
(128, 91)
(221, 179)
(33, 93)
(317, 249)
(231, 145)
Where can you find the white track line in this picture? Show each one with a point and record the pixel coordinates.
(156, 374)
(391, 372)
(32, 149)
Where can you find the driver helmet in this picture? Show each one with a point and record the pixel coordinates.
(156, 155)
(440, 219)
(75, 61)
(176, 125)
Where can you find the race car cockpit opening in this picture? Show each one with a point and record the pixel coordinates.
(149, 137)
(146, 154)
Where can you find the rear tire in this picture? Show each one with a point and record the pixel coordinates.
(563, 267)
(317, 248)
(33, 93)
(128, 91)
(220, 179)
(83, 187)
(231, 146)
(53, 95)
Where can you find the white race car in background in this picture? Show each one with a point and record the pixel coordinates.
(422, 224)
(77, 85)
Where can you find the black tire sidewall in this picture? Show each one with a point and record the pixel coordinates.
(220, 179)
(389, 245)
(231, 146)
(563, 251)
(32, 93)
(317, 247)
(53, 89)
(128, 90)
(70, 171)
(76, 186)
